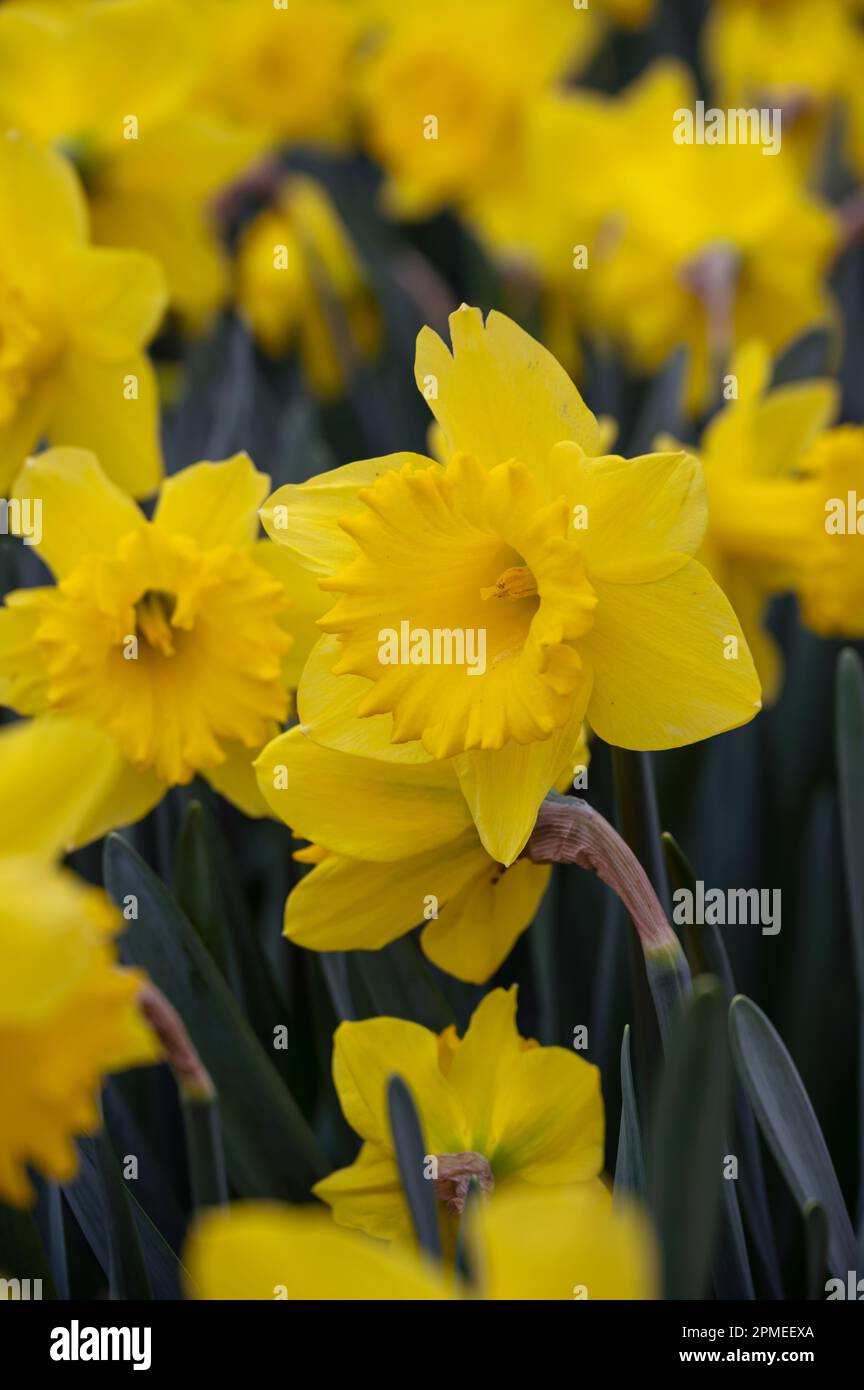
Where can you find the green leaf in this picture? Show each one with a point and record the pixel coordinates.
(788, 1122)
(22, 1254)
(410, 1149)
(127, 1269)
(399, 984)
(685, 1169)
(208, 1181)
(270, 1149)
(630, 1164)
(816, 1240)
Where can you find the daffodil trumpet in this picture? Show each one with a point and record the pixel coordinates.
(569, 831)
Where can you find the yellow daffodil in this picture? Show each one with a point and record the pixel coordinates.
(443, 91)
(299, 279)
(281, 70)
(494, 1108)
(573, 573)
(831, 588)
(74, 321)
(527, 1245)
(112, 85)
(169, 634)
(714, 243)
(801, 57)
(67, 1012)
(395, 846)
(759, 515)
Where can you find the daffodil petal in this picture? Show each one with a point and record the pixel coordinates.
(82, 510)
(307, 603)
(564, 1244)
(366, 1054)
(363, 808)
(261, 1250)
(111, 408)
(347, 904)
(504, 787)
(327, 706)
(214, 503)
(23, 676)
(367, 1195)
(129, 794)
(113, 299)
(500, 395)
(305, 516)
(661, 676)
(644, 517)
(235, 780)
(478, 928)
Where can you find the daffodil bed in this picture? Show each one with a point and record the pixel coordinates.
(432, 854)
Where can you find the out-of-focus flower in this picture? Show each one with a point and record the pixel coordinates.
(530, 1244)
(67, 1012)
(74, 321)
(444, 90)
(281, 71)
(714, 243)
(573, 573)
(494, 1107)
(300, 281)
(831, 589)
(169, 634)
(112, 86)
(759, 514)
(805, 59)
(394, 846)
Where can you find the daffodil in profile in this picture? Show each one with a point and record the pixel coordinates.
(393, 847)
(531, 1244)
(713, 243)
(300, 282)
(759, 515)
(74, 324)
(68, 1013)
(169, 634)
(495, 1109)
(572, 571)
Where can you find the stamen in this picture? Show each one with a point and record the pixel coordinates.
(515, 583)
(153, 614)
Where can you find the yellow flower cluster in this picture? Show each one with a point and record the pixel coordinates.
(418, 651)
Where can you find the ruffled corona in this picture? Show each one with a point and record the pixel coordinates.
(499, 561)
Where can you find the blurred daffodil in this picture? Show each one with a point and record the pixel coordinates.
(713, 244)
(530, 1244)
(112, 85)
(495, 1108)
(831, 586)
(67, 1011)
(74, 321)
(279, 70)
(395, 846)
(759, 514)
(300, 281)
(574, 573)
(444, 91)
(169, 634)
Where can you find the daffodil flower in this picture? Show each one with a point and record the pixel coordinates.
(168, 634)
(578, 569)
(395, 846)
(74, 321)
(297, 270)
(68, 1013)
(831, 581)
(759, 514)
(493, 1106)
(529, 1244)
(441, 105)
(712, 244)
(113, 86)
